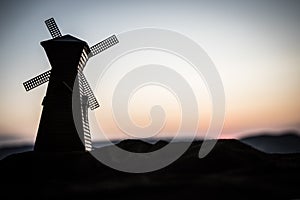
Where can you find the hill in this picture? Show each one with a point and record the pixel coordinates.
(5, 151)
(288, 142)
(232, 170)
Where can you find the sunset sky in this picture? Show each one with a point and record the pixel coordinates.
(255, 46)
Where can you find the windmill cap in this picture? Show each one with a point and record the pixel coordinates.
(65, 39)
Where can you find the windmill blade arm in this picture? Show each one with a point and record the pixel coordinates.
(37, 81)
(92, 101)
(103, 45)
(53, 28)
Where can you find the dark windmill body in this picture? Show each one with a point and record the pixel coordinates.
(68, 95)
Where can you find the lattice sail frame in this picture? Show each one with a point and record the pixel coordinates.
(37, 81)
(93, 103)
(53, 28)
(87, 91)
(84, 100)
(103, 45)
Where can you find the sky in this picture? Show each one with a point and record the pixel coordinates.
(255, 46)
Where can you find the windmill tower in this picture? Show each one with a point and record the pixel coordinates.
(68, 56)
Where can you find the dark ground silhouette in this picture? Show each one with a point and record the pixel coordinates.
(232, 169)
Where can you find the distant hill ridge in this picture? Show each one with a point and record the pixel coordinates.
(287, 142)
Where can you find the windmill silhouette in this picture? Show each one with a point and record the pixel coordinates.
(68, 56)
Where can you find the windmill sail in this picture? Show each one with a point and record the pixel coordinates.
(53, 28)
(85, 87)
(103, 45)
(37, 81)
(85, 122)
(92, 101)
(84, 94)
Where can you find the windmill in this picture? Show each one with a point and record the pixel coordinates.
(68, 56)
